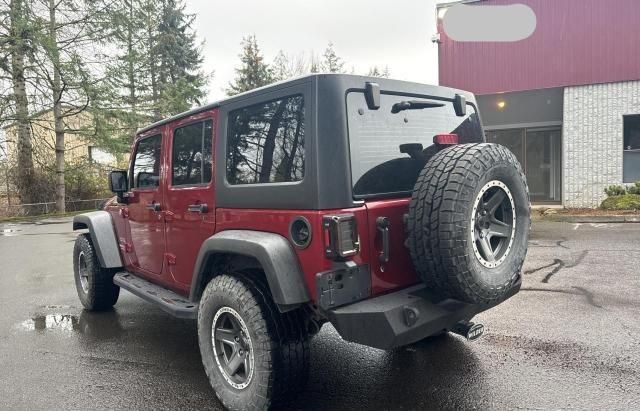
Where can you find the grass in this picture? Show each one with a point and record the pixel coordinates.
(622, 202)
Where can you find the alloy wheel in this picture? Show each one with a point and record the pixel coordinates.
(232, 347)
(493, 224)
(83, 272)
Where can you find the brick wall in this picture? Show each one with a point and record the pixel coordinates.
(592, 139)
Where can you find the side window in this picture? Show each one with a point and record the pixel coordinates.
(146, 163)
(191, 159)
(265, 142)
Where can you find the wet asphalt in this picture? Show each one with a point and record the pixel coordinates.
(569, 339)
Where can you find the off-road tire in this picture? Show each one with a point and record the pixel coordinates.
(280, 342)
(439, 229)
(94, 284)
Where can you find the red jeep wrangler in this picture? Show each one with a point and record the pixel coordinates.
(372, 204)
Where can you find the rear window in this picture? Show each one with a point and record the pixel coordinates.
(376, 137)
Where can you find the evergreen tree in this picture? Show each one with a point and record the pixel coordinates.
(253, 72)
(157, 68)
(180, 79)
(331, 62)
(374, 71)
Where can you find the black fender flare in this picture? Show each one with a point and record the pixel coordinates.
(103, 236)
(275, 255)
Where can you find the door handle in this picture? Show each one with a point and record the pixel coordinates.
(198, 208)
(153, 206)
(383, 224)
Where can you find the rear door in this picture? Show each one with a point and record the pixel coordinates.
(146, 221)
(388, 149)
(189, 196)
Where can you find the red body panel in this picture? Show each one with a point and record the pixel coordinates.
(145, 226)
(312, 259)
(185, 231)
(162, 246)
(398, 272)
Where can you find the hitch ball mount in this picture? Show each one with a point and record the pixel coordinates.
(469, 330)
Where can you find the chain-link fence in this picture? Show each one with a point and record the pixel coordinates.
(34, 209)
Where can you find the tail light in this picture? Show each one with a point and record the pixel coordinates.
(446, 139)
(341, 236)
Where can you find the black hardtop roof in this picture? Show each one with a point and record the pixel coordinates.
(348, 81)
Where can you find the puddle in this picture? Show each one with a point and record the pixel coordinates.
(102, 325)
(9, 232)
(63, 322)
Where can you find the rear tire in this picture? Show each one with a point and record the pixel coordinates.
(257, 356)
(94, 284)
(469, 220)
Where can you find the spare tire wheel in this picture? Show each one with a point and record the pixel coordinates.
(469, 221)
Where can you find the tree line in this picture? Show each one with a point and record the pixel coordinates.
(117, 64)
(254, 71)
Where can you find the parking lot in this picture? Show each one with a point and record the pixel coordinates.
(569, 339)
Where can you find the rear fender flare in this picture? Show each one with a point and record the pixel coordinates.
(275, 254)
(103, 236)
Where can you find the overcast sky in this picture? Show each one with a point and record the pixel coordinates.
(396, 33)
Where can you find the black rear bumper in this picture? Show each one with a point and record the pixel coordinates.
(403, 317)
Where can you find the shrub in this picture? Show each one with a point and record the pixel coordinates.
(634, 189)
(83, 180)
(615, 190)
(622, 202)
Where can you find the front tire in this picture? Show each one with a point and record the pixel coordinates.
(253, 354)
(94, 284)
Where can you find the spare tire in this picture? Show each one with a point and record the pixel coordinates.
(469, 221)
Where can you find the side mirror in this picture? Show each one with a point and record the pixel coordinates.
(372, 95)
(460, 105)
(118, 182)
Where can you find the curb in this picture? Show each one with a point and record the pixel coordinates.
(591, 218)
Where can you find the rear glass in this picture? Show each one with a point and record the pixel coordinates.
(378, 167)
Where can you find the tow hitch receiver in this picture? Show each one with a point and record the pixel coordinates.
(470, 331)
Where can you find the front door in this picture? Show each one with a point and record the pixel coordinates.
(146, 220)
(189, 197)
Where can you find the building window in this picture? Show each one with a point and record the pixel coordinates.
(192, 154)
(631, 153)
(265, 142)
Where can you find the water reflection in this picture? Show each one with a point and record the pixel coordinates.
(102, 325)
(9, 232)
(62, 322)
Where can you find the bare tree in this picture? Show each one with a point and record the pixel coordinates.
(67, 67)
